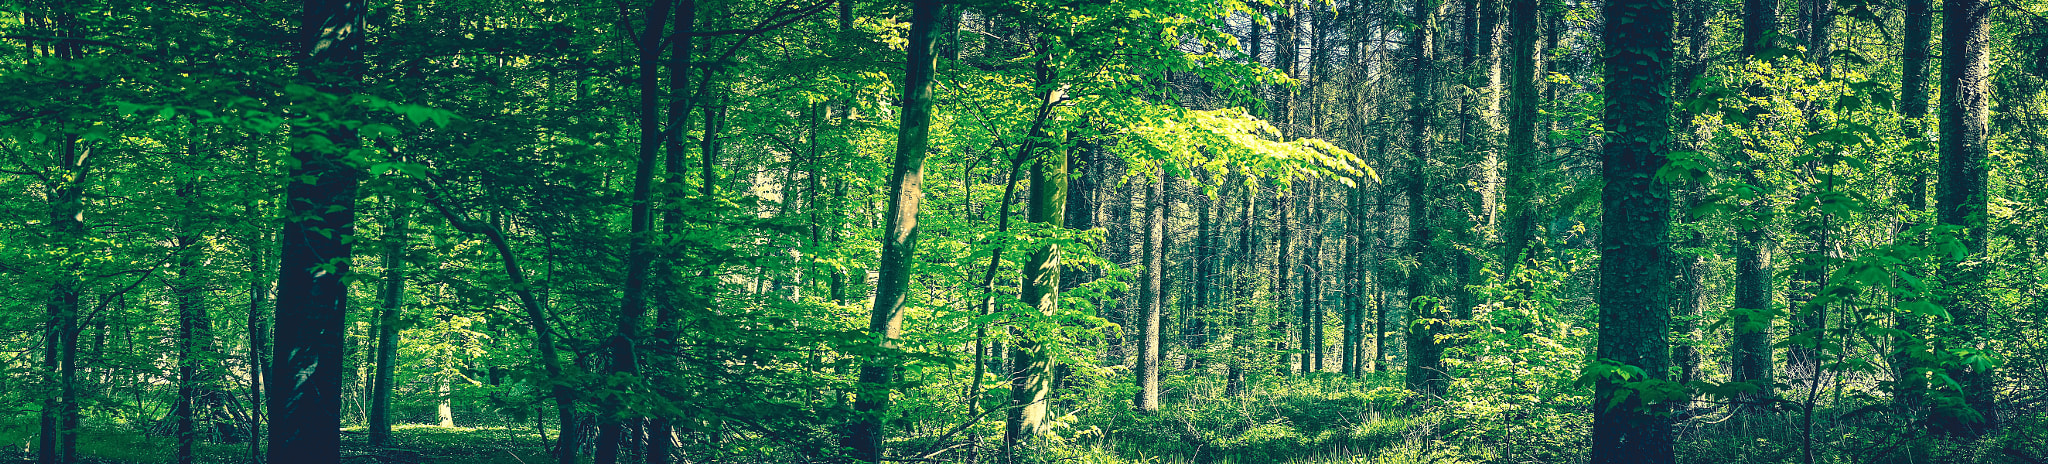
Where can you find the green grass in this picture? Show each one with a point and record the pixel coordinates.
(410, 444)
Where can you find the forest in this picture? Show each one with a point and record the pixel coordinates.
(1023, 231)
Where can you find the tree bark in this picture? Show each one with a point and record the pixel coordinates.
(1961, 199)
(1518, 193)
(305, 407)
(1031, 368)
(623, 351)
(1911, 384)
(1425, 374)
(387, 327)
(899, 234)
(1634, 318)
(1149, 356)
(1751, 318)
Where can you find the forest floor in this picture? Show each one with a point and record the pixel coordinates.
(411, 444)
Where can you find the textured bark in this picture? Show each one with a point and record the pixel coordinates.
(1961, 199)
(1149, 358)
(1031, 368)
(1425, 370)
(1635, 215)
(1910, 390)
(1750, 320)
(1518, 194)
(899, 234)
(305, 391)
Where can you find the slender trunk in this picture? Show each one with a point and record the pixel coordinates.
(1148, 345)
(387, 327)
(259, 292)
(1910, 390)
(899, 235)
(1245, 263)
(1751, 317)
(305, 413)
(1425, 375)
(1195, 332)
(1634, 319)
(193, 337)
(624, 353)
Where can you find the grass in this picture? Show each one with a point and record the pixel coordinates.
(410, 444)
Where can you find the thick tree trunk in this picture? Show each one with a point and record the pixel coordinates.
(1961, 199)
(1031, 368)
(195, 339)
(1634, 318)
(305, 407)
(899, 234)
(660, 430)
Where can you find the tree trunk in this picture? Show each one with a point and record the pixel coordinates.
(1149, 357)
(1910, 389)
(305, 409)
(623, 352)
(1425, 375)
(1031, 368)
(1634, 318)
(1961, 199)
(1519, 195)
(387, 327)
(899, 234)
(1244, 264)
(1194, 335)
(1751, 318)
(195, 337)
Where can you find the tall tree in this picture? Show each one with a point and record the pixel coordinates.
(899, 232)
(1913, 96)
(1518, 195)
(387, 326)
(1425, 373)
(1634, 316)
(320, 196)
(1962, 200)
(1031, 368)
(1149, 356)
(624, 358)
(1751, 319)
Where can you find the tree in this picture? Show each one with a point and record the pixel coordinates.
(1962, 201)
(1629, 425)
(1031, 365)
(305, 391)
(906, 191)
(1425, 373)
(1154, 295)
